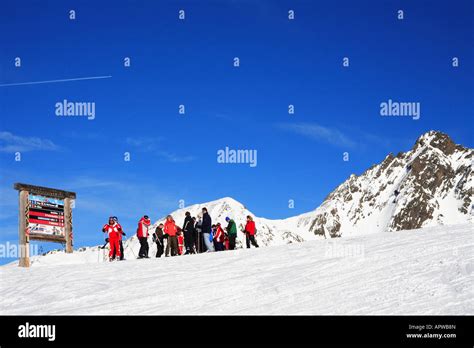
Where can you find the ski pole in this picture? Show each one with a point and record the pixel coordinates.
(128, 246)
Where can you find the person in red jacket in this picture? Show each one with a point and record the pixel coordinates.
(250, 232)
(142, 234)
(219, 238)
(112, 229)
(226, 241)
(180, 241)
(121, 234)
(170, 230)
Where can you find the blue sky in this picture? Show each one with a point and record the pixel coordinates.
(190, 62)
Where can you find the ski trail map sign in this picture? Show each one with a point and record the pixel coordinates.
(44, 214)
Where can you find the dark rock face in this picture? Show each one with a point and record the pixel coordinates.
(407, 191)
(438, 140)
(413, 215)
(329, 222)
(428, 175)
(462, 191)
(292, 238)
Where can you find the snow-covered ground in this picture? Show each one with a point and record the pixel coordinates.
(419, 272)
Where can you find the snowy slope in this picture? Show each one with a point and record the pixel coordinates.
(425, 271)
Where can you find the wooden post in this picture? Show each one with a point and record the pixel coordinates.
(68, 224)
(24, 242)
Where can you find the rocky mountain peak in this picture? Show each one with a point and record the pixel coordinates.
(437, 140)
(429, 185)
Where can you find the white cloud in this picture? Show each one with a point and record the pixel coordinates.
(147, 144)
(85, 182)
(15, 143)
(144, 143)
(125, 198)
(171, 157)
(320, 133)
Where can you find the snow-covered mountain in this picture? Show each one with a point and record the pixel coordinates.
(432, 184)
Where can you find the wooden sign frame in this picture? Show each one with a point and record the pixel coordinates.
(24, 190)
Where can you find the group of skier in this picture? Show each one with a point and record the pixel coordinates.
(197, 235)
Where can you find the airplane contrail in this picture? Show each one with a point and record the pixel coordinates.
(54, 81)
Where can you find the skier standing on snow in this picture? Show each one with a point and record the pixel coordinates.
(158, 236)
(181, 239)
(219, 238)
(188, 230)
(112, 230)
(250, 232)
(170, 229)
(198, 240)
(142, 234)
(206, 228)
(121, 233)
(231, 232)
(226, 241)
(195, 236)
(211, 237)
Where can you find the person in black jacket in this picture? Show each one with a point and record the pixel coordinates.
(207, 229)
(188, 230)
(158, 237)
(199, 242)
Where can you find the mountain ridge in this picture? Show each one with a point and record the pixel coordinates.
(417, 182)
(411, 190)
(429, 185)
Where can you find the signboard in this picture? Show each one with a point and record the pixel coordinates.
(46, 215)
